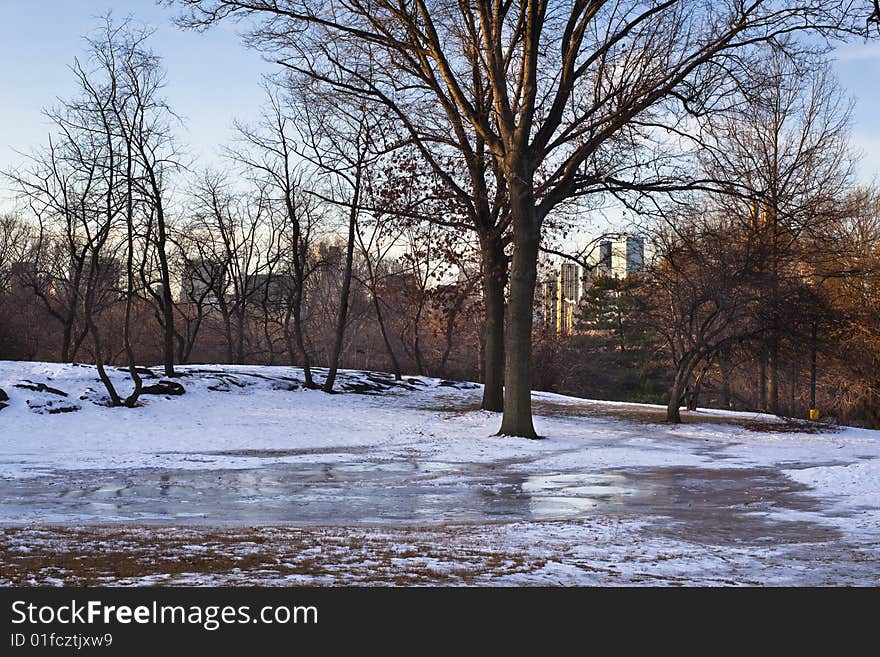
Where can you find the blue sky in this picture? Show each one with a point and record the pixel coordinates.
(212, 78)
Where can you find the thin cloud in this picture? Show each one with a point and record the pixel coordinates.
(868, 146)
(858, 52)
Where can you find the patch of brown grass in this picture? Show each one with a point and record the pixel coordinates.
(100, 555)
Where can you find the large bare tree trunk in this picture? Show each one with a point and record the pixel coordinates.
(494, 282)
(517, 418)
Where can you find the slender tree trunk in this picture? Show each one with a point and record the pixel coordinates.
(449, 335)
(724, 366)
(344, 295)
(267, 334)
(417, 338)
(762, 382)
(300, 341)
(683, 375)
(65, 341)
(181, 349)
(77, 344)
(99, 364)
(227, 330)
(694, 398)
(88, 302)
(773, 387)
(288, 342)
(378, 308)
(167, 301)
(132, 398)
(517, 418)
(239, 339)
(494, 280)
(675, 394)
(68, 348)
(185, 343)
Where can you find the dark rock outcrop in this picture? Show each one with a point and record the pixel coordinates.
(40, 387)
(52, 406)
(164, 387)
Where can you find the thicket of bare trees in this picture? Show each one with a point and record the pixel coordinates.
(557, 100)
(246, 267)
(389, 207)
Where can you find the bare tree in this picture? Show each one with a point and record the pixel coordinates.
(268, 154)
(199, 281)
(787, 145)
(16, 240)
(57, 195)
(141, 121)
(568, 87)
(376, 240)
(701, 295)
(236, 248)
(341, 143)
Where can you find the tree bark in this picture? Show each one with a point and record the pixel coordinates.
(494, 282)
(227, 333)
(517, 418)
(449, 335)
(683, 372)
(673, 414)
(239, 339)
(417, 338)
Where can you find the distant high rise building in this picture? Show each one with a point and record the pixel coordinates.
(201, 281)
(560, 295)
(273, 290)
(549, 303)
(568, 292)
(619, 256)
(106, 277)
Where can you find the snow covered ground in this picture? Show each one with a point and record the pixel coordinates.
(406, 483)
